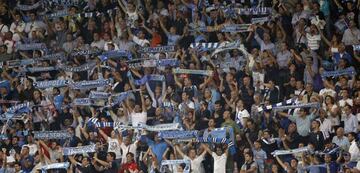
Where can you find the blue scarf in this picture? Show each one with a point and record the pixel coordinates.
(347, 71)
(190, 71)
(32, 46)
(50, 84)
(90, 84)
(255, 11)
(158, 49)
(51, 134)
(67, 151)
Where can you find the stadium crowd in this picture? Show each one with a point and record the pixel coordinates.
(130, 86)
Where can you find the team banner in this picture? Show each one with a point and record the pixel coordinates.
(158, 49)
(190, 71)
(286, 152)
(176, 162)
(51, 134)
(63, 165)
(347, 71)
(84, 67)
(90, 84)
(51, 84)
(67, 151)
(255, 11)
(32, 46)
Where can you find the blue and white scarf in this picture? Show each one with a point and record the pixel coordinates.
(99, 95)
(18, 63)
(51, 134)
(178, 134)
(176, 162)
(255, 11)
(85, 52)
(51, 84)
(307, 105)
(14, 110)
(269, 107)
(228, 46)
(67, 151)
(40, 69)
(64, 165)
(32, 46)
(83, 102)
(347, 71)
(260, 20)
(28, 7)
(158, 49)
(286, 152)
(115, 54)
(90, 84)
(190, 71)
(156, 63)
(84, 67)
(147, 78)
(207, 46)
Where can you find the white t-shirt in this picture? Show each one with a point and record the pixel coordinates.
(196, 164)
(219, 162)
(313, 41)
(114, 147)
(126, 149)
(137, 118)
(240, 115)
(327, 91)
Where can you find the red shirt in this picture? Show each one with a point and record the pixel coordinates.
(128, 166)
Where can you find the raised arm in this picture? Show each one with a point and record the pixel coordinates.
(122, 6)
(179, 151)
(143, 106)
(207, 149)
(104, 135)
(163, 27)
(281, 163)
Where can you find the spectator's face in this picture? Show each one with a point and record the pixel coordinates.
(347, 110)
(85, 161)
(248, 158)
(293, 163)
(340, 132)
(350, 137)
(192, 153)
(291, 128)
(184, 96)
(17, 168)
(219, 151)
(211, 123)
(137, 108)
(217, 107)
(226, 115)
